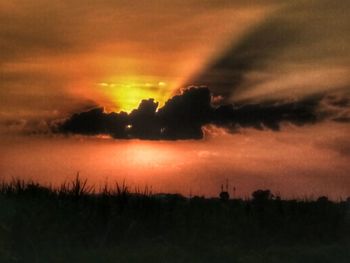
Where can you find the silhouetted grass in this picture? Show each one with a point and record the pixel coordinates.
(76, 223)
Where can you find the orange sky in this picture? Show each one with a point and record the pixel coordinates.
(59, 57)
(296, 162)
(66, 49)
(111, 53)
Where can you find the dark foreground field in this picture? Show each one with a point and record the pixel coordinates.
(71, 224)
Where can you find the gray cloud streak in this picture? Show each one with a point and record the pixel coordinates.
(305, 38)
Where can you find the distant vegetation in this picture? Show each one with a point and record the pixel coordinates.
(72, 223)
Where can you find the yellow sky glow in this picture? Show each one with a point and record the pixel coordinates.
(126, 93)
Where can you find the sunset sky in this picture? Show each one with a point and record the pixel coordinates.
(282, 68)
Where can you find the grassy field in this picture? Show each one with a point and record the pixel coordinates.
(74, 224)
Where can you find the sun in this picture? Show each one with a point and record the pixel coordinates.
(126, 93)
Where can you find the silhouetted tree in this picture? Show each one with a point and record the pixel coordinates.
(262, 195)
(322, 199)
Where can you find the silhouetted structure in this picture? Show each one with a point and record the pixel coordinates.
(224, 195)
(322, 199)
(262, 195)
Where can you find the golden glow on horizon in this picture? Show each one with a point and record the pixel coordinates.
(248, 159)
(146, 154)
(127, 93)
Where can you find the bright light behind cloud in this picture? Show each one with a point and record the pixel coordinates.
(127, 93)
(60, 50)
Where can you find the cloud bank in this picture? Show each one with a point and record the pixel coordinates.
(184, 115)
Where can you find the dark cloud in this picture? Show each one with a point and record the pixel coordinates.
(183, 117)
(95, 122)
(268, 114)
(144, 123)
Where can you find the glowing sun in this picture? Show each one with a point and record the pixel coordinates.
(127, 93)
